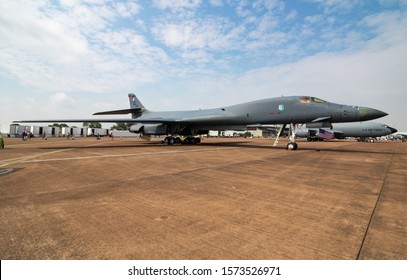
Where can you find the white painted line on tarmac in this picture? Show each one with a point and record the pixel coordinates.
(128, 155)
(23, 159)
(26, 158)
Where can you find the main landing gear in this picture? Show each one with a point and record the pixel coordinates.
(190, 140)
(291, 145)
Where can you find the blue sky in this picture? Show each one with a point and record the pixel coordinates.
(71, 58)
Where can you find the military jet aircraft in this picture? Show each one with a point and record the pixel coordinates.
(360, 130)
(284, 110)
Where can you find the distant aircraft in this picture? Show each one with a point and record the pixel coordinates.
(401, 136)
(285, 110)
(361, 130)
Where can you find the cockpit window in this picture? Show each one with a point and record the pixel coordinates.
(305, 100)
(317, 100)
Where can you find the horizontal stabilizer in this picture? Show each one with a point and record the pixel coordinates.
(119, 112)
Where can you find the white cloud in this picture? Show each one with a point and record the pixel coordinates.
(392, 2)
(291, 15)
(71, 49)
(390, 28)
(38, 34)
(210, 34)
(176, 5)
(270, 5)
(126, 9)
(216, 3)
(338, 5)
(314, 19)
(59, 98)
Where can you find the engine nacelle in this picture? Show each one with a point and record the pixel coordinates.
(149, 129)
(339, 135)
(136, 128)
(155, 129)
(312, 132)
(318, 124)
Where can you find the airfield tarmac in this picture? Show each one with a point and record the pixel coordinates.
(222, 199)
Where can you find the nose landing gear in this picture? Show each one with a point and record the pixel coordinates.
(291, 145)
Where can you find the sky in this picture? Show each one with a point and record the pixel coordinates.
(71, 58)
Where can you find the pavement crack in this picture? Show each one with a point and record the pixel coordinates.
(375, 207)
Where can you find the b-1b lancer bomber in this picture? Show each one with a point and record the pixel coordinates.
(284, 110)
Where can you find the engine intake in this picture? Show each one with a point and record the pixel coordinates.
(318, 124)
(149, 129)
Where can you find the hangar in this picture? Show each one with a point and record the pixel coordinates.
(54, 131)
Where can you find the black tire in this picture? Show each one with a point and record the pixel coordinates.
(292, 146)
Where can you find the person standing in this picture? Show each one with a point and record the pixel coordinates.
(1, 141)
(24, 135)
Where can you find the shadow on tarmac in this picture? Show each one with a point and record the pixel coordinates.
(239, 144)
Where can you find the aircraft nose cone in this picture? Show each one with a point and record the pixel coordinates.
(366, 113)
(393, 130)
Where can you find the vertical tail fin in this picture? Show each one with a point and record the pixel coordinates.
(136, 108)
(135, 104)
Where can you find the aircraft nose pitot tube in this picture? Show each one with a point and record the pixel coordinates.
(366, 113)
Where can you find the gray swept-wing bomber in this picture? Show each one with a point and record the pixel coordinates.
(361, 130)
(292, 110)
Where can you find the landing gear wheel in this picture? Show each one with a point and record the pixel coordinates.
(292, 146)
(169, 140)
(191, 140)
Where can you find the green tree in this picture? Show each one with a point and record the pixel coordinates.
(92, 124)
(120, 126)
(60, 125)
